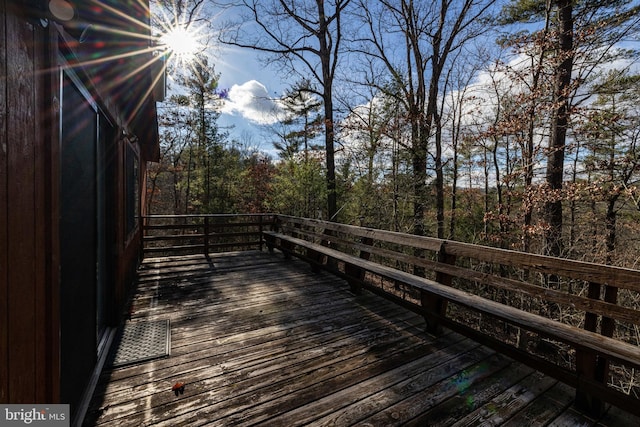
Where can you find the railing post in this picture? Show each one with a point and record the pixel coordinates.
(588, 364)
(358, 273)
(434, 306)
(260, 231)
(269, 240)
(206, 236)
(145, 230)
(287, 248)
(316, 259)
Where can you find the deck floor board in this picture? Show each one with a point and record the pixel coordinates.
(260, 340)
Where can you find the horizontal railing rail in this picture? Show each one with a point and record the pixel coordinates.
(165, 235)
(576, 321)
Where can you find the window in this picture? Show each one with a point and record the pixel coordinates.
(132, 188)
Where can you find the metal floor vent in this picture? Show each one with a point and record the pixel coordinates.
(141, 341)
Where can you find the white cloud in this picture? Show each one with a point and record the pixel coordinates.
(251, 101)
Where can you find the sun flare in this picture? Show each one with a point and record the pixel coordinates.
(182, 42)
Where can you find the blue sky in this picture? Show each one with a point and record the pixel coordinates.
(253, 87)
(253, 91)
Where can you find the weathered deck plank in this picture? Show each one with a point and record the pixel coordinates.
(385, 390)
(261, 340)
(471, 394)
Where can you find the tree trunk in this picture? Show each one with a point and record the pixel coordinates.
(555, 162)
(454, 187)
(439, 177)
(332, 197)
(325, 40)
(188, 189)
(610, 226)
(419, 181)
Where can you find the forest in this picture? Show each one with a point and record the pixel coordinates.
(513, 124)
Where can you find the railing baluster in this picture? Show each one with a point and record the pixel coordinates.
(356, 272)
(587, 361)
(206, 235)
(588, 364)
(436, 307)
(260, 242)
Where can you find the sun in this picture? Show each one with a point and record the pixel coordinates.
(182, 42)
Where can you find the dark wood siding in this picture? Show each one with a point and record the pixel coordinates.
(27, 282)
(30, 211)
(51, 213)
(21, 216)
(4, 256)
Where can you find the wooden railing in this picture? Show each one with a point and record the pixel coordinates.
(576, 321)
(165, 235)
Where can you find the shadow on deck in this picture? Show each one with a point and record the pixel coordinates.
(262, 340)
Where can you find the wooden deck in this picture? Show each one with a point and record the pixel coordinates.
(260, 340)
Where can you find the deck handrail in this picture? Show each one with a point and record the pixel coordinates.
(165, 235)
(545, 300)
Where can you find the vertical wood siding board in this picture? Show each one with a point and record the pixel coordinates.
(46, 223)
(52, 192)
(39, 208)
(21, 194)
(4, 347)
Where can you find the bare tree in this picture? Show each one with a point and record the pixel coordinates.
(369, 129)
(300, 34)
(459, 105)
(414, 41)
